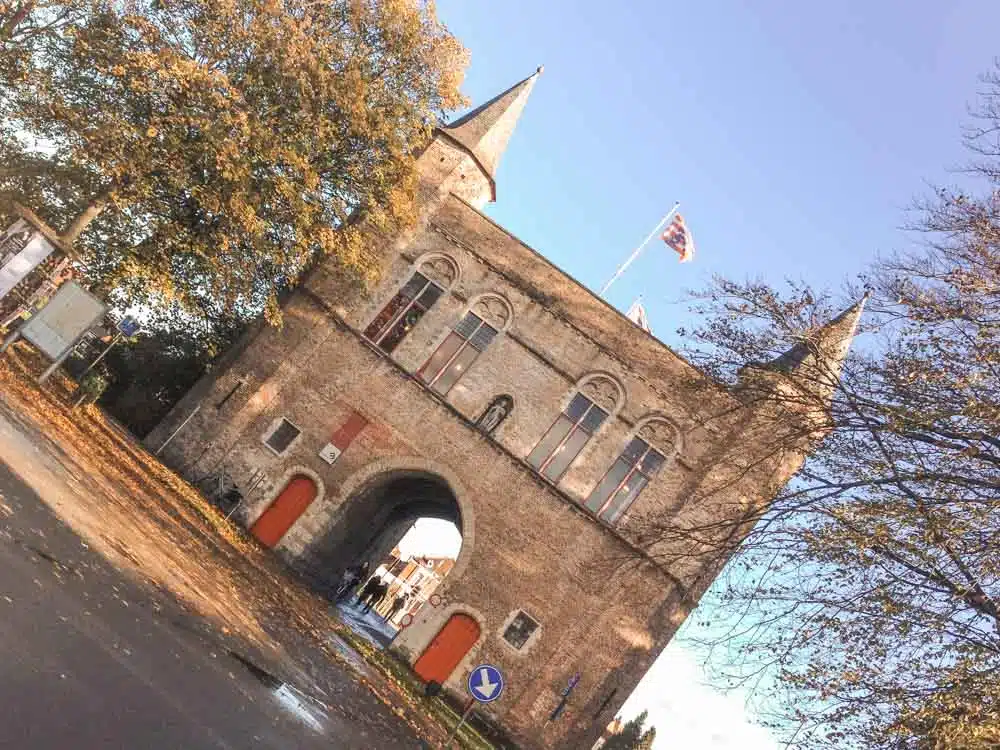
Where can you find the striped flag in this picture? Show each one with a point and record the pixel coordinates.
(678, 238)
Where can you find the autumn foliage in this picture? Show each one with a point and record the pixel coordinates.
(866, 596)
(204, 152)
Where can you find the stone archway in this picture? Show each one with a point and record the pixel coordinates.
(381, 503)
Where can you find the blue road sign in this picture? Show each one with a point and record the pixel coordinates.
(485, 683)
(129, 326)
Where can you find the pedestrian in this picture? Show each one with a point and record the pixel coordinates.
(383, 593)
(398, 604)
(374, 595)
(367, 590)
(350, 580)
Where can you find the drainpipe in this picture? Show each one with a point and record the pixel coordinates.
(174, 433)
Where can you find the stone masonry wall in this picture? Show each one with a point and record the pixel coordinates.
(605, 607)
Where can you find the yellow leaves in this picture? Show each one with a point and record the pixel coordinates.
(246, 131)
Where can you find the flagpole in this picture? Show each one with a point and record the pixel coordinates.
(635, 253)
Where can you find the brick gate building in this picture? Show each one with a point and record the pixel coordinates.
(480, 384)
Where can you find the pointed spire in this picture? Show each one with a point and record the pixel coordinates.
(831, 342)
(637, 314)
(485, 131)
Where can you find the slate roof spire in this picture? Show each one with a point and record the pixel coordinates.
(485, 131)
(827, 348)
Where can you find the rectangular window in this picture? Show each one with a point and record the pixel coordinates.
(626, 478)
(457, 353)
(282, 436)
(566, 437)
(521, 628)
(403, 312)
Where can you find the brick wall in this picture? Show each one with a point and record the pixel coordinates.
(605, 608)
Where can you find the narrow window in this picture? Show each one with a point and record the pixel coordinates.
(232, 392)
(282, 436)
(604, 704)
(638, 463)
(403, 312)
(566, 437)
(521, 628)
(457, 353)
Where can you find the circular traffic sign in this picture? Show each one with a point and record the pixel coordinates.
(485, 683)
(406, 620)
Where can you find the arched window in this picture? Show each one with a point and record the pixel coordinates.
(572, 430)
(405, 310)
(463, 345)
(641, 460)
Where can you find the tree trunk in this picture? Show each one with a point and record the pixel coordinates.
(19, 15)
(82, 221)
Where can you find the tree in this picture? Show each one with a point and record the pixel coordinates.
(633, 735)
(150, 373)
(870, 585)
(206, 151)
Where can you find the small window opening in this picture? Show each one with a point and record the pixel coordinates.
(521, 628)
(605, 702)
(282, 436)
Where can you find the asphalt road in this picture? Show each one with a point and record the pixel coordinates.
(90, 660)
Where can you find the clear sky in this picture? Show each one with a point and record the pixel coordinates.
(795, 134)
(431, 536)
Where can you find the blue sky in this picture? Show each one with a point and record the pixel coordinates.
(795, 135)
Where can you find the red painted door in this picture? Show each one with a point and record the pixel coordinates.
(447, 649)
(284, 511)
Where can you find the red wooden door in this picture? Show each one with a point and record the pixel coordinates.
(447, 649)
(284, 511)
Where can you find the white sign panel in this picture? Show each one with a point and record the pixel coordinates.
(22, 248)
(67, 316)
(330, 453)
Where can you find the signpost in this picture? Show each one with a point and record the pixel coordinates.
(566, 692)
(485, 686)
(57, 328)
(486, 683)
(127, 327)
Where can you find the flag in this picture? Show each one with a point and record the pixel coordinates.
(678, 238)
(637, 314)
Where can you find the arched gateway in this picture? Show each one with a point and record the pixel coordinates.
(376, 515)
(390, 398)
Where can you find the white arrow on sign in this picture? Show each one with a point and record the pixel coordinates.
(486, 688)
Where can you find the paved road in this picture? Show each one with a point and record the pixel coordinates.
(88, 660)
(369, 626)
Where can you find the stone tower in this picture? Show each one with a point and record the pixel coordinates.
(480, 384)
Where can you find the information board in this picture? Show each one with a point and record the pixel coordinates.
(70, 313)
